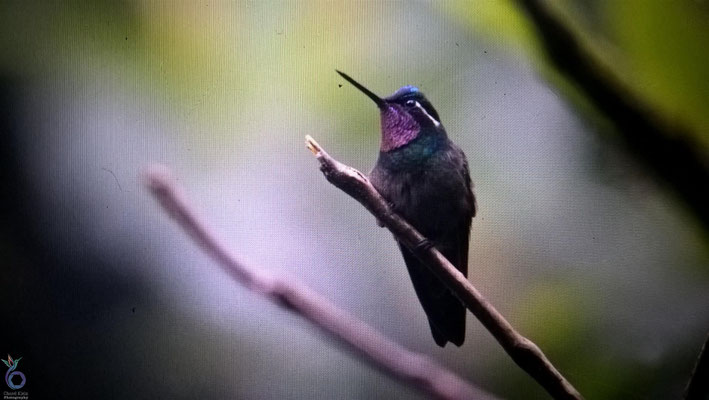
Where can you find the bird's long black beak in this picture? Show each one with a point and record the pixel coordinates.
(380, 102)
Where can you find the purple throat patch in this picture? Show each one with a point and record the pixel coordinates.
(398, 128)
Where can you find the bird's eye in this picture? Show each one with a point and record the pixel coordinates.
(410, 103)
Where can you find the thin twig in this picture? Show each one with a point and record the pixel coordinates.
(522, 350)
(698, 386)
(408, 367)
(669, 150)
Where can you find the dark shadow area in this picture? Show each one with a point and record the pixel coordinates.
(57, 317)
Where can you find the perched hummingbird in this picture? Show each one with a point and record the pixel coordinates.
(425, 177)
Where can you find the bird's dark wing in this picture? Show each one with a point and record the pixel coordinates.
(463, 231)
(446, 314)
(470, 196)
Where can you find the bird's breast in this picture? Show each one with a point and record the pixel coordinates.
(412, 157)
(430, 192)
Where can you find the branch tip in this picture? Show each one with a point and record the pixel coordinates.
(312, 145)
(158, 178)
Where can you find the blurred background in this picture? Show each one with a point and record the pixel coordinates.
(575, 242)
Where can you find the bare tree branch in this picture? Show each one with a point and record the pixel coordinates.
(408, 367)
(522, 350)
(698, 386)
(667, 149)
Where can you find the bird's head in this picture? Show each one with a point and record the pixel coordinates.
(404, 114)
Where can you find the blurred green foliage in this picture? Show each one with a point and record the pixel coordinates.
(663, 55)
(657, 48)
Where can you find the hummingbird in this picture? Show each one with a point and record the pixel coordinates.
(425, 178)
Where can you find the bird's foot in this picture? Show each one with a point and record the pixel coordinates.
(423, 245)
(392, 208)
